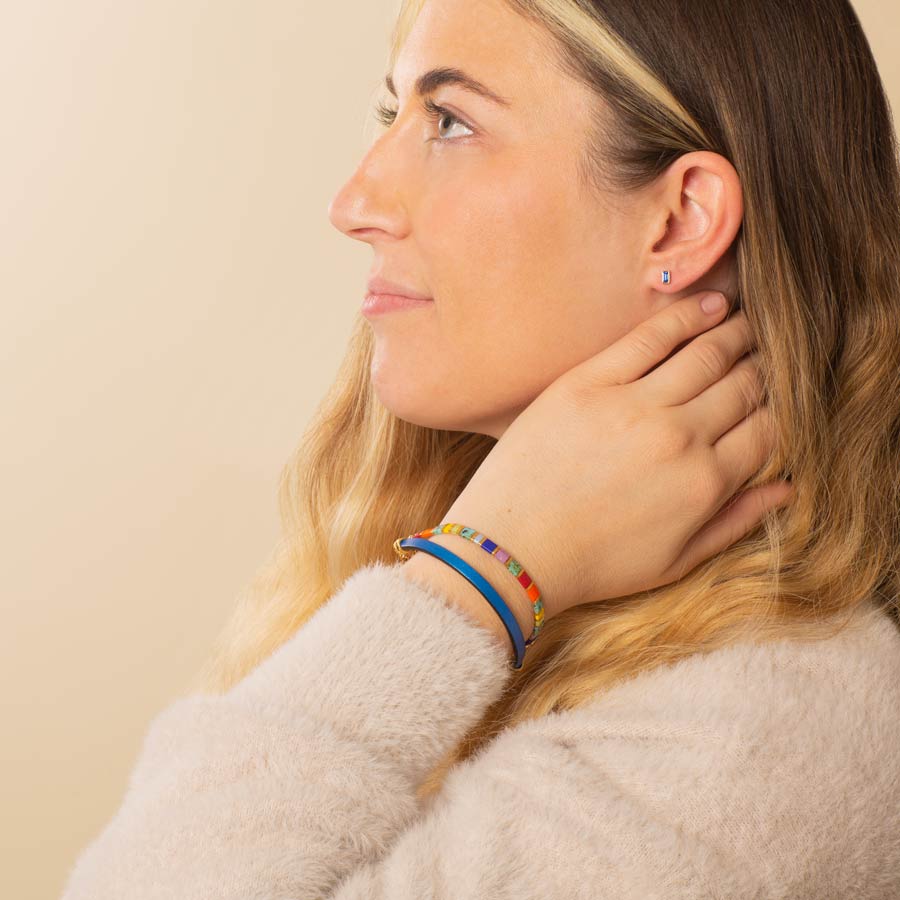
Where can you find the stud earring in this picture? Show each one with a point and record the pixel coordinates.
(666, 276)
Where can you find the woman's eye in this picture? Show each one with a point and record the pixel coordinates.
(386, 116)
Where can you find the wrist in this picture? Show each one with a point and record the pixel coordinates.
(435, 574)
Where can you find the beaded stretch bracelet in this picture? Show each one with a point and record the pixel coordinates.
(489, 546)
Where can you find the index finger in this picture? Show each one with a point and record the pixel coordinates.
(651, 343)
(701, 363)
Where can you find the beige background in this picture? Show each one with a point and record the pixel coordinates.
(174, 303)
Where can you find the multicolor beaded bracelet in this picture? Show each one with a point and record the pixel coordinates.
(489, 546)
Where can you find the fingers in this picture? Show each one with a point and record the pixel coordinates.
(742, 451)
(708, 358)
(634, 354)
(727, 402)
(731, 523)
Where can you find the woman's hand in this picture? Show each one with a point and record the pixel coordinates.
(615, 478)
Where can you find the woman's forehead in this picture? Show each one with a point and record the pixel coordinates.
(486, 41)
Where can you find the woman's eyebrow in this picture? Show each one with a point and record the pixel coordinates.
(431, 80)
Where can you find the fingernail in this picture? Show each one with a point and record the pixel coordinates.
(713, 303)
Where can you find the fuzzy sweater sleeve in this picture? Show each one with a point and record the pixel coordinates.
(309, 766)
(750, 772)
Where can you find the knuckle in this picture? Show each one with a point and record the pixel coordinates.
(689, 316)
(650, 338)
(750, 380)
(674, 440)
(709, 486)
(578, 389)
(711, 359)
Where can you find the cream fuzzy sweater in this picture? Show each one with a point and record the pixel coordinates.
(755, 771)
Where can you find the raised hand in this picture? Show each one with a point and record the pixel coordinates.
(622, 474)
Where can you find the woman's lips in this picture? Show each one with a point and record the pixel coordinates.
(376, 304)
(379, 285)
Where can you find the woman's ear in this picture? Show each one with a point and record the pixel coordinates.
(695, 212)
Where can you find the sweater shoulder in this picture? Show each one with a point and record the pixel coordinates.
(770, 755)
(754, 691)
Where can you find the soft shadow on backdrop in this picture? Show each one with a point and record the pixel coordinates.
(175, 302)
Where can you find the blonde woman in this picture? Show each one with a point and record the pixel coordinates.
(692, 516)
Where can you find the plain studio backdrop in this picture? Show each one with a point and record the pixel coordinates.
(174, 304)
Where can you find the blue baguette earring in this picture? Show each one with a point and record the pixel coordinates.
(666, 276)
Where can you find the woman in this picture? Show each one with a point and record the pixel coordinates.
(705, 708)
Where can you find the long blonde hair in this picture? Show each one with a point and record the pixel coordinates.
(790, 94)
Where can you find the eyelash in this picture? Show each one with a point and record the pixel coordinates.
(386, 116)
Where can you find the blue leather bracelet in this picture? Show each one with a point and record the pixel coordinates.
(479, 581)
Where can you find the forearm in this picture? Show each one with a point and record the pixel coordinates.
(435, 574)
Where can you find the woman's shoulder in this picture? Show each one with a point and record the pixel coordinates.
(749, 690)
(751, 767)
(754, 745)
(858, 667)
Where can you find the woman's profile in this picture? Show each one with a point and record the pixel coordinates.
(678, 674)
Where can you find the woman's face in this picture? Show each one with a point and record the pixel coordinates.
(483, 210)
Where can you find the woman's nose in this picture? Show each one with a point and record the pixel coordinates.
(370, 202)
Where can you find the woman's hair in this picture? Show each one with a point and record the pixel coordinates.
(789, 92)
